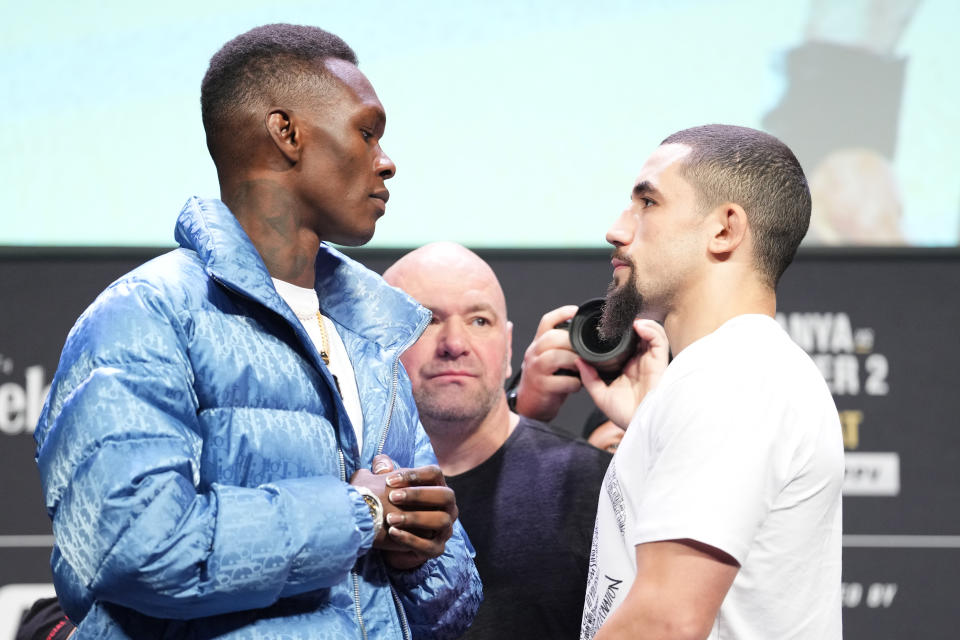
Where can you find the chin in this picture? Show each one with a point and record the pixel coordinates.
(354, 239)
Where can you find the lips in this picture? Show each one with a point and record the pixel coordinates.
(620, 260)
(450, 373)
(382, 195)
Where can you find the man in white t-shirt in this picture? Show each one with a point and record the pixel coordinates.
(720, 515)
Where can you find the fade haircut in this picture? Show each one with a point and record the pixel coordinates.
(263, 65)
(757, 171)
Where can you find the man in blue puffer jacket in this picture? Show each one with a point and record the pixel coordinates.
(208, 447)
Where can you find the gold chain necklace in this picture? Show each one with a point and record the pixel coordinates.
(325, 346)
(325, 350)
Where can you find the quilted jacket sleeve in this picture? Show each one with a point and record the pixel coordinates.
(119, 451)
(441, 597)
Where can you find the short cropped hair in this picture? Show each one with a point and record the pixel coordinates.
(760, 173)
(265, 64)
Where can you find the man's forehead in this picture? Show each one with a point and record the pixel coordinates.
(468, 293)
(447, 275)
(664, 158)
(457, 290)
(353, 80)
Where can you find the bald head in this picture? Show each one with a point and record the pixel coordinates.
(458, 365)
(424, 269)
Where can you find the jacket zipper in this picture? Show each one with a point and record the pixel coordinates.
(353, 572)
(343, 475)
(405, 626)
(403, 614)
(393, 399)
(383, 439)
(356, 602)
(393, 383)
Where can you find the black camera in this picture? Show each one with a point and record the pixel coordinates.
(608, 357)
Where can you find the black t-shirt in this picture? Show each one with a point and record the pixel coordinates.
(529, 511)
(44, 621)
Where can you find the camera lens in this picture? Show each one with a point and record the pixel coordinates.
(590, 334)
(607, 356)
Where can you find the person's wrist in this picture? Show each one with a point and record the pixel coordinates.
(539, 409)
(375, 507)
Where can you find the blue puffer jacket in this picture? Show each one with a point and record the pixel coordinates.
(193, 455)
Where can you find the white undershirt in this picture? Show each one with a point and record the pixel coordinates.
(306, 305)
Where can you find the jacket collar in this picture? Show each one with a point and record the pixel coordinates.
(350, 294)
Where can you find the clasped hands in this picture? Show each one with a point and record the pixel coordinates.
(419, 511)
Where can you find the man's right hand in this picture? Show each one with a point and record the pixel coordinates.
(425, 521)
(541, 392)
(619, 400)
(419, 511)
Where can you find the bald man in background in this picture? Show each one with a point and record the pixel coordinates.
(526, 494)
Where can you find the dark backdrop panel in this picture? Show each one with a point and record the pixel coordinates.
(882, 325)
(885, 335)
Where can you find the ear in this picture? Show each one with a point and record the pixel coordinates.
(283, 130)
(509, 371)
(728, 227)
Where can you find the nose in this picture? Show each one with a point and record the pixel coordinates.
(383, 165)
(620, 232)
(452, 341)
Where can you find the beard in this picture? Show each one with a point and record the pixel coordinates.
(622, 304)
(463, 409)
(454, 408)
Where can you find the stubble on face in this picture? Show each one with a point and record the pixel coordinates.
(456, 409)
(623, 303)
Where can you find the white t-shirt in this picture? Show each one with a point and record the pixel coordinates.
(738, 447)
(306, 305)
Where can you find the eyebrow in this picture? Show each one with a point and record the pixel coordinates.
(381, 117)
(482, 306)
(474, 308)
(378, 118)
(646, 188)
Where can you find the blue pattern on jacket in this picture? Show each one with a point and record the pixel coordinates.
(193, 453)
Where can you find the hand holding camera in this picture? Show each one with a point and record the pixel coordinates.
(565, 335)
(620, 397)
(539, 392)
(608, 357)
